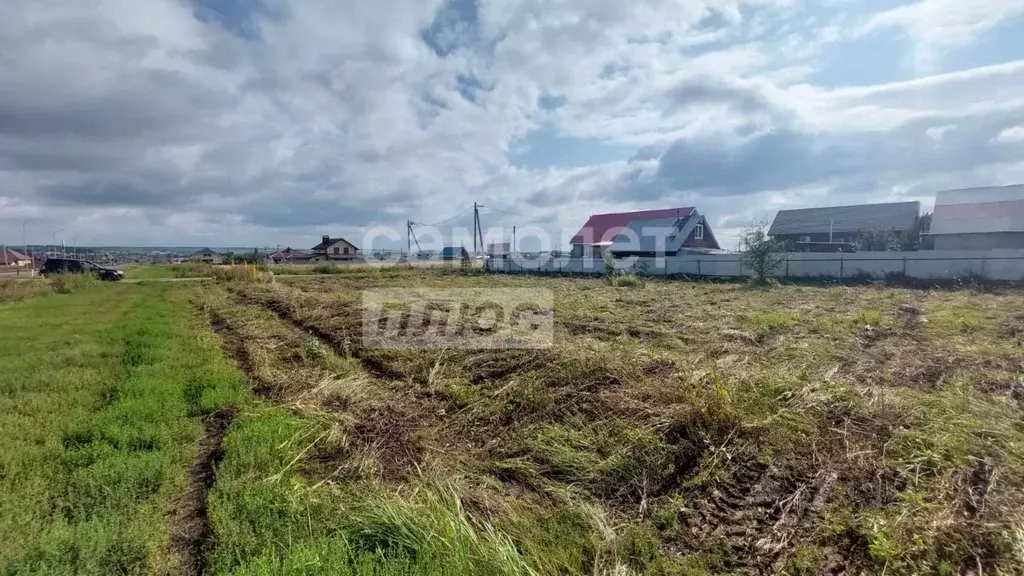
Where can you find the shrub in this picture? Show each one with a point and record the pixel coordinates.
(762, 253)
(69, 283)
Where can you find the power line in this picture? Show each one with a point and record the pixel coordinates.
(439, 224)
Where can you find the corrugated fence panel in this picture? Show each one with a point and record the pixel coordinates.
(993, 264)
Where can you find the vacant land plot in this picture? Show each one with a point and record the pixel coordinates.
(103, 394)
(672, 428)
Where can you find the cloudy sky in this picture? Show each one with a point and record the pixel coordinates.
(265, 122)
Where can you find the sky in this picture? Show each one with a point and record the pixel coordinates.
(265, 122)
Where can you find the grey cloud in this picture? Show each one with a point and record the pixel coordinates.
(711, 90)
(789, 158)
(106, 194)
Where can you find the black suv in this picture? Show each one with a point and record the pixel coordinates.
(68, 266)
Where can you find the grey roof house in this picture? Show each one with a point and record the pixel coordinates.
(454, 253)
(979, 219)
(665, 236)
(837, 228)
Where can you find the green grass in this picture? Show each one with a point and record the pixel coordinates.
(162, 271)
(100, 395)
(898, 448)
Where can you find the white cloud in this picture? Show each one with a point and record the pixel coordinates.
(135, 121)
(1011, 135)
(936, 25)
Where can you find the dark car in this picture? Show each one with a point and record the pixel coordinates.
(69, 266)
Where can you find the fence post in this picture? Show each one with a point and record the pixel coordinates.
(787, 266)
(904, 265)
(699, 271)
(841, 272)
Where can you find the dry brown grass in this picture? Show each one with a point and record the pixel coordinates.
(798, 430)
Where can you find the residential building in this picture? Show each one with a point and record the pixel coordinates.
(838, 228)
(671, 231)
(334, 250)
(979, 218)
(499, 250)
(10, 257)
(454, 253)
(289, 256)
(206, 256)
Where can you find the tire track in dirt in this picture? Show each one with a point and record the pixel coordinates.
(342, 346)
(193, 535)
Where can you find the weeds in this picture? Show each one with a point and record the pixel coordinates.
(70, 283)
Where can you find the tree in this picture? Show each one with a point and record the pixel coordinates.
(876, 240)
(761, 253)
(914, 240)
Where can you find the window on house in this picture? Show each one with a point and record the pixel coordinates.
(698, 234)
(346, 249)
(336, 249)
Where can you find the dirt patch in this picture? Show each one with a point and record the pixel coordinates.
(193, 537)
(903, 365)
(496, 365)
(231, 342)
(761, 515)
(660, 367)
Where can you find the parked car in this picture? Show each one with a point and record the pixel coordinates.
(69, 266)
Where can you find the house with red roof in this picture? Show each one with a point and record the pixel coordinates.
(10, 257)
(666, 232)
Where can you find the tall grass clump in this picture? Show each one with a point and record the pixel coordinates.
(70, 283)
(23, 288)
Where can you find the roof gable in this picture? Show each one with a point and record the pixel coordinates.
(604, 227)
(323, 245)
(979, 211)
(898, 216)
(661, 235)
(8, 256)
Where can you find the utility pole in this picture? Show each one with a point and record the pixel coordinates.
(476, 223)
(513, 250)
(408, 238)
(55, 238)
(24, 240)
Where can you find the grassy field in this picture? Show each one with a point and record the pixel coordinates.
(672, 428)
(102, 393)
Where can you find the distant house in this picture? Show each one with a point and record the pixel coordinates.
(206, 256)
(838, 228)
(289, 256)
(979, 218)
(499, 250)
(334, 249)
(671, 231)
(10, 257)
(454, 253)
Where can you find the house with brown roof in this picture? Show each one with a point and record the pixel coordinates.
(10, 257)
(665, 232)
(334, 250)
(289, 256)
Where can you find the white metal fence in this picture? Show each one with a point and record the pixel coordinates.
(1006, 265)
